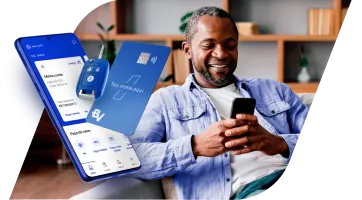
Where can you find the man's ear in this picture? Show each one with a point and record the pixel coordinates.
(186, 47)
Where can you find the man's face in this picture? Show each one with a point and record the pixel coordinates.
(213, 51)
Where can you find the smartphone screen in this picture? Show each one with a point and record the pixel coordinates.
(57, 61)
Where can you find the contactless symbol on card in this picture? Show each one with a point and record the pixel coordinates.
(124, 88)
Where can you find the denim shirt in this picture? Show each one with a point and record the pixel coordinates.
(174, 114)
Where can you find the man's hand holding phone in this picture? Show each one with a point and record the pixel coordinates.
(253, 137)
(241, 133)
(211, 142)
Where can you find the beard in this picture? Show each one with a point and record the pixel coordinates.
(206, 74)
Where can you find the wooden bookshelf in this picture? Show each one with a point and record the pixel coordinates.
(304, 87)
(132, 37)
(253, 38)
(119, 19)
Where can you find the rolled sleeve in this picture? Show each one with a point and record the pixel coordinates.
(291, 140)
(184, 153)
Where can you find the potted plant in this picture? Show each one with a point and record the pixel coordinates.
(303, 76)
(109, 44)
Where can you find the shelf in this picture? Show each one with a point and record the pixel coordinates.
(131, 37)
(252, 38)
(303, 87)
(309, 38)
(275, 38)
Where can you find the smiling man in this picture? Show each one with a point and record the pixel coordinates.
(186, 133)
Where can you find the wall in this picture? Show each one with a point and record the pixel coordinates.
(256, 59)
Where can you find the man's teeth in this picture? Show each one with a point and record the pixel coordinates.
(218, 66)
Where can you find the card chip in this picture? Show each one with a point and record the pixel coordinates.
(143, 59)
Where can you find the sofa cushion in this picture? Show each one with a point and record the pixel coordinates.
(307, 98)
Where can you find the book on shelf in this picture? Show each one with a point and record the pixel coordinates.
(320, 21)
(182, 65)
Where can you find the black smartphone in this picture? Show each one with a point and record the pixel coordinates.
(242, 106)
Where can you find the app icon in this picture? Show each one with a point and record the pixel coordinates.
(96, 142)
(80, 144)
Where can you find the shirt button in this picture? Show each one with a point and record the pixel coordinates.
(226, 155)
(273, 111)
(228, 180)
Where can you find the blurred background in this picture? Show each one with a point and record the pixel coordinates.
(275, 35)
(286, 40)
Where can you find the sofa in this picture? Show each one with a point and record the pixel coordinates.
(131, 188)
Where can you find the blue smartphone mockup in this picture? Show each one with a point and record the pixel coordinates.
(54, 63)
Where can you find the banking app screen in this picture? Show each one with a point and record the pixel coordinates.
(60, 77)
(100, 150)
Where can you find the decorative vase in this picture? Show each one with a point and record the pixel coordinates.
(303, 76)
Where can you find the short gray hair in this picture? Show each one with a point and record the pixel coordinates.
(191, 27)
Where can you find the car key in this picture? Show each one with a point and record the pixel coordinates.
(93, 78)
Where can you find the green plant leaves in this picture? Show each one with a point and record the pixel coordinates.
(102, 38)
(184, 20)
(303, 62)
(186, 16)
(182, 27)
(110, 47)
(110, 28)
(100, 26)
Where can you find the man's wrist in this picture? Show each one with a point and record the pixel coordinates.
(284, 148)
(194, 145)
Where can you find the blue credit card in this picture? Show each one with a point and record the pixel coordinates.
(131, 81)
